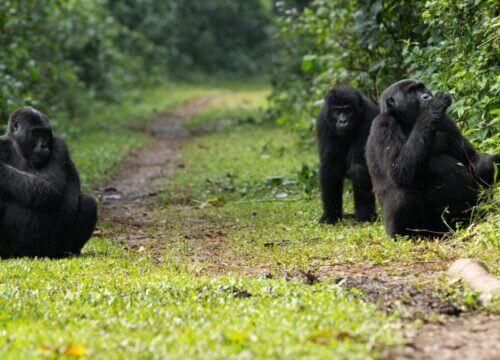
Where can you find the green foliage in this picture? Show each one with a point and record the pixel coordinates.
(60, 56)
(373, 44)
(461, 56)
(197, 35)
(338, 42)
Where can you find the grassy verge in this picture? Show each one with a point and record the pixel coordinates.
(102, 139)
(237, 229)
(249, 176)
(116, 304)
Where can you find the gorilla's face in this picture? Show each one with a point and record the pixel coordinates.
(31, 132)
(40, 145)
(344, 110)
(404, 100)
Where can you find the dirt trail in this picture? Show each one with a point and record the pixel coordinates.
(127, 205)
(467, 338)
(127, 201)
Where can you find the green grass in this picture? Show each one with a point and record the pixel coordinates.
(225, 282)
(232, 172)
(100, 140)
(243, 105)
(118, 304)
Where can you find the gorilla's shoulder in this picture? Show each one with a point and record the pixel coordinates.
(382, 121)
(60, 143)
(60, 149)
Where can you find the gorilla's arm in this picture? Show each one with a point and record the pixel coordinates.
(410, 157)
(331, 182)
(331, 174)
(42, 189)
(364, 199)
(482, 166)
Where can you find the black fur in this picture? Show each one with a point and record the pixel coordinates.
(423, 170)
(342, 129)
(44, 212)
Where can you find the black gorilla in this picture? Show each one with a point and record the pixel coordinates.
(342, 129)
(44, 212)
(424, 172)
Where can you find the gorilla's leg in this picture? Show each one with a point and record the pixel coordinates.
(485, 168)
(405, 214)
(451, 192)
(84, 224)
(364, 200)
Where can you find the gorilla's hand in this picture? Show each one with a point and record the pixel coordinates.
(435, 108)
(442, 100)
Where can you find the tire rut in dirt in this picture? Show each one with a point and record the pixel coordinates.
(127, 202)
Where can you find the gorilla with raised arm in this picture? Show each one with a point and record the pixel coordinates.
(342, 128)
(44, 212)
(424, 172)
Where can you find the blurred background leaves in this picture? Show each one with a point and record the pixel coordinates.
(62, 55)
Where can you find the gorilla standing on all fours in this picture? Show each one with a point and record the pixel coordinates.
(43, 210)
(342, 129)
(422, 168)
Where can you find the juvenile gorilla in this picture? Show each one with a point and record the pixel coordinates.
(424, 172)
(342, 129)
(44, 212)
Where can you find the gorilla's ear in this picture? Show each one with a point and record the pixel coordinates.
(390, 102)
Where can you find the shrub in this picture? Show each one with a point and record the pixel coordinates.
(59, 55)
(460, 56)
(453, 46)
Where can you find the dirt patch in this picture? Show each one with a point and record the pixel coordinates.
(128, 200)
(393, 295)
(455, 335)
(470, 337)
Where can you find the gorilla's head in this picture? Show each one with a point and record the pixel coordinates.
(32, 134)
(345, 109)
(403, 100)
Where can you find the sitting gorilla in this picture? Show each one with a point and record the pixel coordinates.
(44, 212)
(424, 172)
(342, 129)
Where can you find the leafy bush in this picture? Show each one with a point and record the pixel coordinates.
(221, 35)
(373, 44)
(59, 55)
(55, 54)
(460, 56)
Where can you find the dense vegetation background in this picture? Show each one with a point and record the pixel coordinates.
(451, 45)
(59, 55)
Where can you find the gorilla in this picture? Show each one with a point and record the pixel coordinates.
(44, 212)
(342, 129)
(425, 174)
